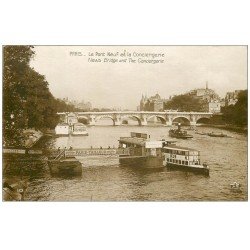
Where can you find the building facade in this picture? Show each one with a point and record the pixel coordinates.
(153, 103)
(205, 94)
(209, 100)
(232, 97)
(214, 107)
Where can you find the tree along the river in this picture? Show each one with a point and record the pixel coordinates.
(184, 102)
(237, 114)
(27, 100)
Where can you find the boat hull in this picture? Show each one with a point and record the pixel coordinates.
(200, 170)
(179, 135)
(217, 135)
(141, 161)
(80, 134)
(182, 137)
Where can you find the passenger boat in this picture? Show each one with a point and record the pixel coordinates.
(142, 151)
(179, 133)
(79, 129)
(182, 158)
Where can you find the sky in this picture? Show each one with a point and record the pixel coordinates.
(73, 71)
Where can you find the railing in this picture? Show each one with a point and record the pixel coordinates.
(60, 155)
(68, 152)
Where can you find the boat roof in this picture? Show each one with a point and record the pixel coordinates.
(141, 141)
(79, 124)
(133, 140)
(62, 124)
(180, 148)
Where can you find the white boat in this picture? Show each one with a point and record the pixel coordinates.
(62, 129)
(182, 158)
(79, 129)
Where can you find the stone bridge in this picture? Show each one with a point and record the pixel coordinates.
(166, 117)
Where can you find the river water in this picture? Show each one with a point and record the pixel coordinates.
(103, 179)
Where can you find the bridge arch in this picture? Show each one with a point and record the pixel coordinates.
(204, 120)
(131, 116)
(83, 119)
(161, 118)
(98, 118)
(181, 119)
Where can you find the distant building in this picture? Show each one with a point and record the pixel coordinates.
(232, 97)
(222, 102)
(206, 94)
(85, 106)
(214, 107)
(209, 100)
(153, 103)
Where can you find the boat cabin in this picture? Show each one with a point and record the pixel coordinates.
(140, 145)
(79, 127)
(181, 155)
(62, 129)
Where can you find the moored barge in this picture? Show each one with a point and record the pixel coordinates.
(142, 151)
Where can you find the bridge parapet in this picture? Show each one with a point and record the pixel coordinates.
(167, 117)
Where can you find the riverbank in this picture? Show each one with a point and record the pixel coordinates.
(229, 127)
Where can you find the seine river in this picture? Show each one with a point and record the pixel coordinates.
(103, 179)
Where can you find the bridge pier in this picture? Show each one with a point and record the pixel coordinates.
(92, 121)
(117, 123)
(144, 121)
(169, 123)
(192, 123)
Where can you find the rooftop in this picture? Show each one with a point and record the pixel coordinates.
(133, 140)
(179, 148)
(79, 124)
(141, 141)
(62, 124)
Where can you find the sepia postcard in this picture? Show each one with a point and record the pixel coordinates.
(124, 123)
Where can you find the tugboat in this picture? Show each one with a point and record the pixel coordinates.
(182, 158)
(179, 133)
(142, 152)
